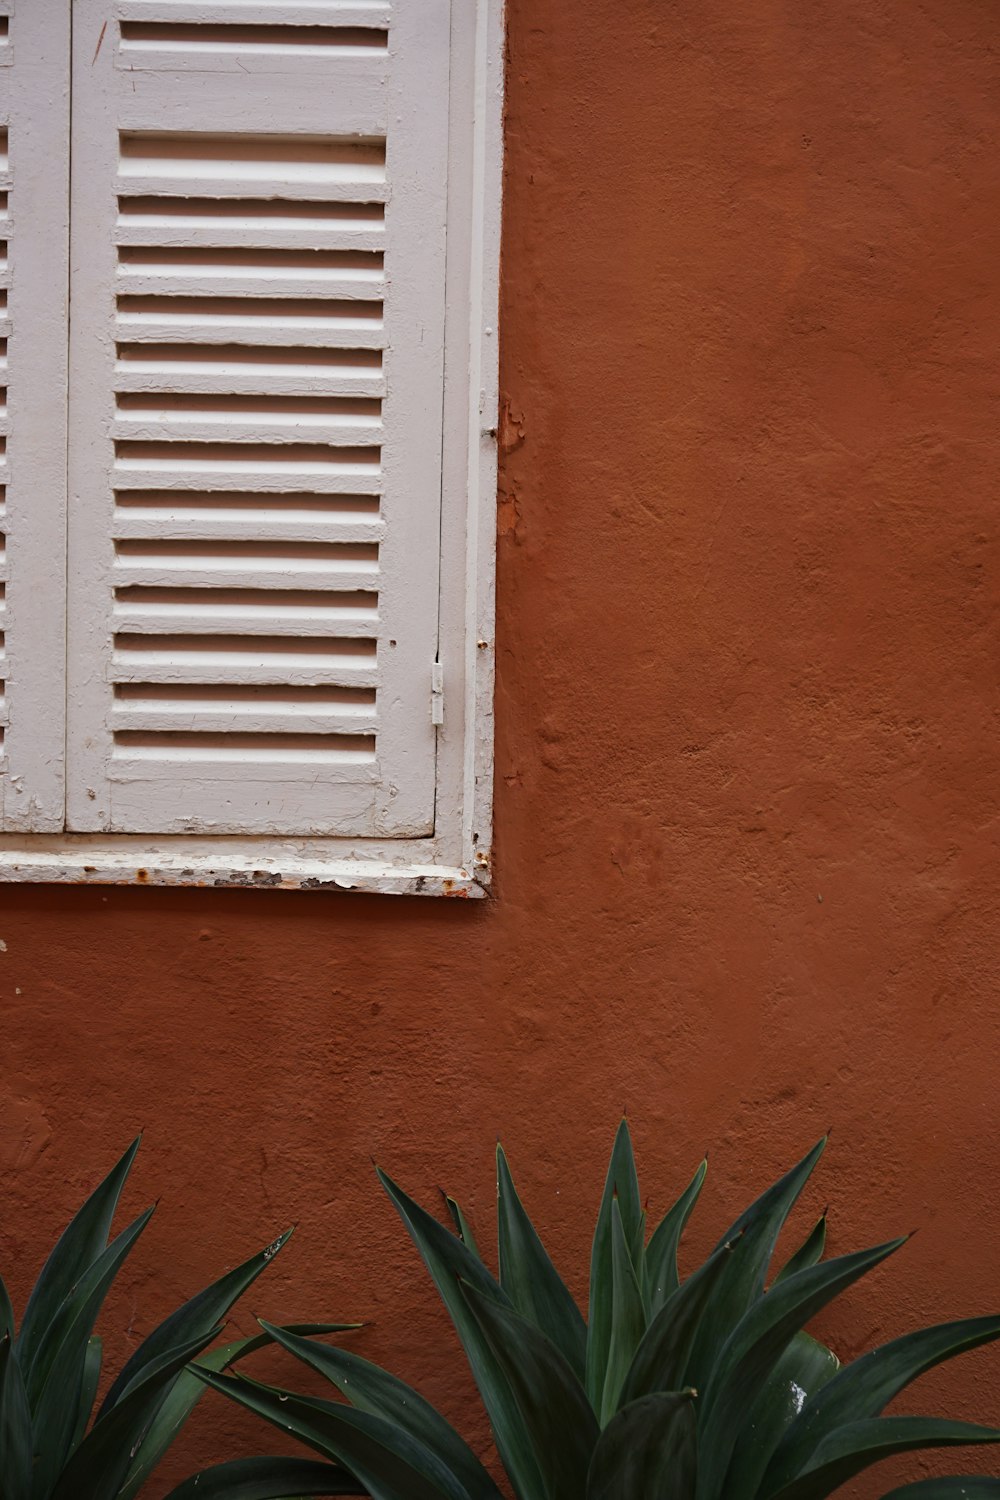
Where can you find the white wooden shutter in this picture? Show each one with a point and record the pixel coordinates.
(258, 263)
(34, 172)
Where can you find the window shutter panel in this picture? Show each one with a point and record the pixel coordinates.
(34, 169)
(258, 262)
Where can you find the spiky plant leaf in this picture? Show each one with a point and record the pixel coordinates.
(752, 1351)
(622, 1184)
(857, 1445)
(757, 1231)
(637, 1254)
(62, 1346)
(90, 1379)
(804, 1368)
(6, 1311)
(15, 1427)
(390, 1463)
(100, 1463)
(558, 1418)
(190, 1321)
(808, 1253)
(376, 1391)
(450, 1263)
(56, 1341)
(182, 1397)
(267, 1479)
(661, 1359)
(628, 1321)
(647, 1451)
(462, 1226)
(764, 1372)
(662, 1277)
(865, 1387)
(529, 1278)
(63, 1355)
(76, 1250)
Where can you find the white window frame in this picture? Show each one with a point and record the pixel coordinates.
(455, 860)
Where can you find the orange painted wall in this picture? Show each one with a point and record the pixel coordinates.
(747, 761)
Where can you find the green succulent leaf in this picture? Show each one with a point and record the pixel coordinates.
(754, 1348)
(90, 1378)
(778, 1419)
(462, 1226)
(804, 1368)
(647, 1451)
(953, 1487)
(757, 1231)
(63, 1356)
(622, 1184)
(559, 1421)
(15, 1427)
(59, 1358)
(6, 1311)
(390, 1463)
(184, 1395)
(628, 1321)
(100, 1463)
(376, 1391)
(808, 1253)
(865, 1387)
(662, 1277)
(267, 1479)
(858, 1445)
(661, 1359)
(449, 1263)
(78, 1247)
(636, 1248)
(62, 1346)
(194, 1318)
(529, 1278)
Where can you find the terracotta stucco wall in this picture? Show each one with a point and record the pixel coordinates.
(747, 757)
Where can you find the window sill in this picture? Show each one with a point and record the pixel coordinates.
(201, 863)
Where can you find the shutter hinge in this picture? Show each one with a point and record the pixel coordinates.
(437, 693)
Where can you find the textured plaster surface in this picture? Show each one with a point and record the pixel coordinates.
(748, 778)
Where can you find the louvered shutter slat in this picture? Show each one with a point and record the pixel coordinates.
(244, 523)
(374, 13)
(244, 327)
(255, 459)
(250, 423)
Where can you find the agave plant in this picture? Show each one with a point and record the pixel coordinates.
(50, 1367)
(706, 1388)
